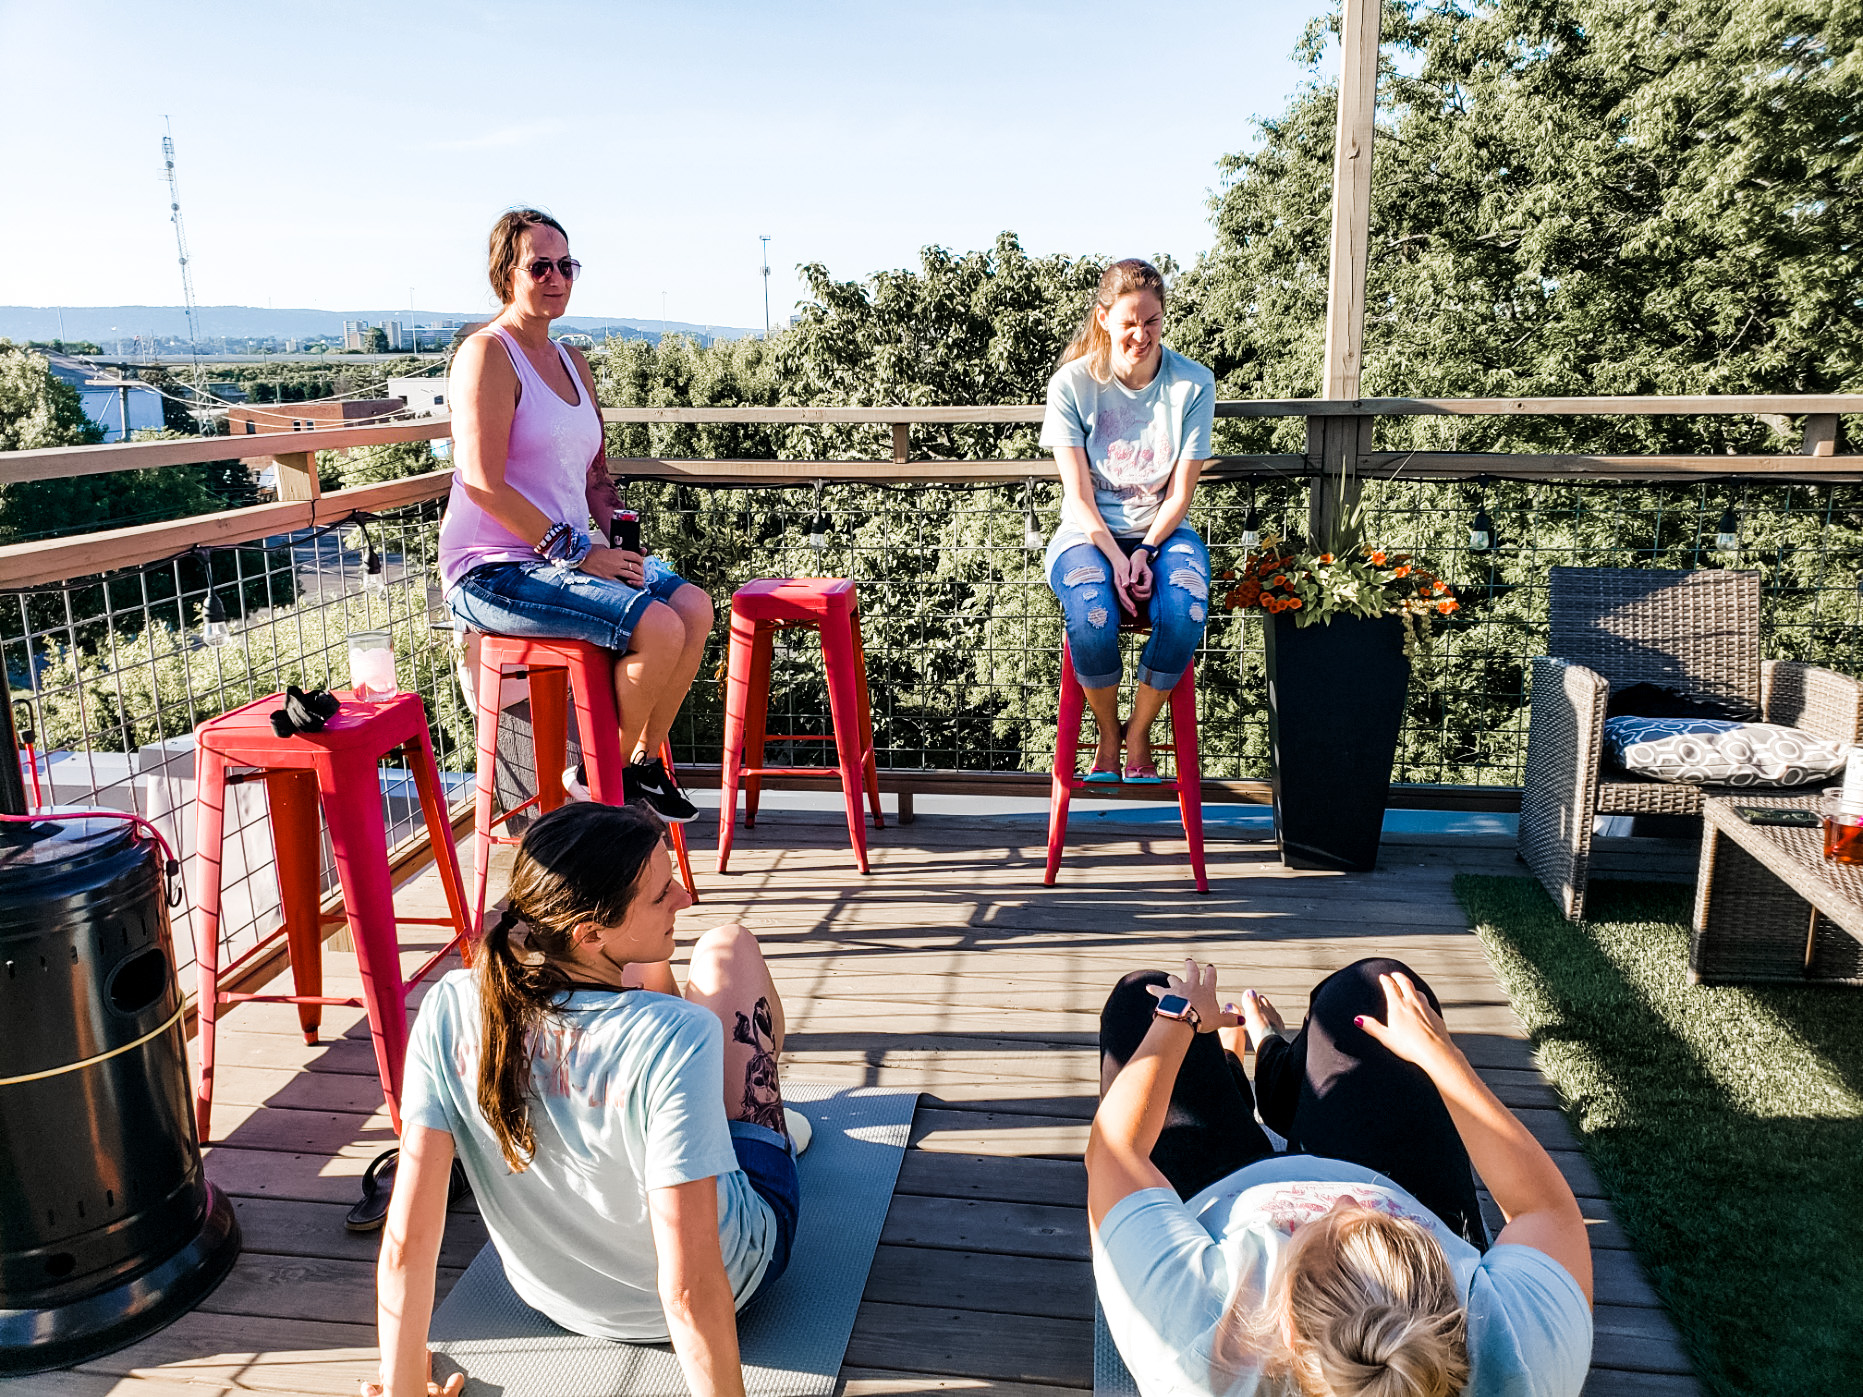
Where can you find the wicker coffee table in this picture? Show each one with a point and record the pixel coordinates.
(1768, 905)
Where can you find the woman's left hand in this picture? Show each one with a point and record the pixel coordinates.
(1138, 581)
(454, 1385)
(1198, 985)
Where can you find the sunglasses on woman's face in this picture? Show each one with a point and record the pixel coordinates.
(542, 267)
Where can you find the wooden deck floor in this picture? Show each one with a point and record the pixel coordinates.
(949, 969)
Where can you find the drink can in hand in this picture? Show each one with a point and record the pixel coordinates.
(624, 531)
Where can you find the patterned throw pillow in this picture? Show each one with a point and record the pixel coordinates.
(1702, 750)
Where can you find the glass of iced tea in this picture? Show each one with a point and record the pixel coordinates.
(1843, 829)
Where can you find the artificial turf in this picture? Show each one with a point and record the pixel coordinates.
(1726, 1122)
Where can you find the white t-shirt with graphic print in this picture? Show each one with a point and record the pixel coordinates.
(1133, 440)
(1167, 1270)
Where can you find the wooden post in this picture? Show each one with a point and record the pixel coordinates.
(902, 442)
(1822, 430)
(297, 475)
(1337, 442)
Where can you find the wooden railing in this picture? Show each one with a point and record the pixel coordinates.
(301, 504)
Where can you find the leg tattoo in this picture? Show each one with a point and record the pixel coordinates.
(763, 1096)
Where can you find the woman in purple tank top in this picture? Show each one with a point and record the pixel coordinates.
(517, 556)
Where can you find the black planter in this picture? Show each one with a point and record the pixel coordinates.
(1335, 704)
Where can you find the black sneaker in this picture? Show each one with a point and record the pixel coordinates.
(647, 780)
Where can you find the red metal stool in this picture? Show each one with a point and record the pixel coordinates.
(1187, 782)
(758, 611)
(337, 766)
(554, 669)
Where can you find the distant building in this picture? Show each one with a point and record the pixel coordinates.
(355, 332)
(254, 418)
(424, 396)
(396, 339)
(118, 405)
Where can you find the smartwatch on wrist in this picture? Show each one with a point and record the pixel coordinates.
(1175, 1006)
(1146, 548)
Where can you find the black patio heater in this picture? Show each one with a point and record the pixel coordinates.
(108, 1226)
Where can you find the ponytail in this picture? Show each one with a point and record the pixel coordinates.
(579, 864)
(1091, 342)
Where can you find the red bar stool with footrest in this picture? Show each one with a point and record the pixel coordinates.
(336, 767)
(1188, 781)
(758, 611)
(554, 669)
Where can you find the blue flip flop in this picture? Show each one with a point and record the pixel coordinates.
(1143, 775)
(1099, 777)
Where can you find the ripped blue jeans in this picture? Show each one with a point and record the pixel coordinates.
(1180, 606)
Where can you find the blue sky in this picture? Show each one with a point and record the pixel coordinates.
(337, 154)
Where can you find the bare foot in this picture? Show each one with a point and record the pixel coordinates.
(1138, 749)
(1106, 752)
(1260, 1017)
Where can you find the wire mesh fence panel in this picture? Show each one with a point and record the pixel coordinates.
(962, 633)
(110, 675)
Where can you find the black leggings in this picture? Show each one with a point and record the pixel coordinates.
(1333, 1091)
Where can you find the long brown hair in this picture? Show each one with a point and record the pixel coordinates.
(580, 863)
(502, 254)
(1091, 342)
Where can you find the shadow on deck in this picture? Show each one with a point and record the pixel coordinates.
(950, 969)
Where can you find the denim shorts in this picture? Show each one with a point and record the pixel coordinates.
(770, 1164)
(535, 600)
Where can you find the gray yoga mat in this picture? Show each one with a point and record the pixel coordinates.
(791, 1337)
(1111, 1377)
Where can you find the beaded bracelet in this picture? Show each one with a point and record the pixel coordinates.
(564, 545)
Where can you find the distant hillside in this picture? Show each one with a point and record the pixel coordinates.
(101, 323)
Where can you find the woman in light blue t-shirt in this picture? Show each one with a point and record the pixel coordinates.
(1129, 423)
(626, 1140)
(1356, 1263)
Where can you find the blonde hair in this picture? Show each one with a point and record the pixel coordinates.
(1365, 1305)
(1091, 342)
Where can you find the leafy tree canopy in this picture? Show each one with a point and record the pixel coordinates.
(1569, 197)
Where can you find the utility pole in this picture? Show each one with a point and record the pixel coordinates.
(181, 248)
(766, 284)
(1338, 442)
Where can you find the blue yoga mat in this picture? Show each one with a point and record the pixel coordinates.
(1111, 1378)
(791, 1337)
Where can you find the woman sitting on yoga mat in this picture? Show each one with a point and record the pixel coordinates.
(1356, 1264)
(626, 1140)
(1129, 423)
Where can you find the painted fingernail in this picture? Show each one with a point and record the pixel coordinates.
(1359, 1020)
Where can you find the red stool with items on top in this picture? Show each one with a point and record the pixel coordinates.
(554, 670)
(1187, 783)
(758, 611)
(335, 767)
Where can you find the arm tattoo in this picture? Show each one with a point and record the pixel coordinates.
(763, 1095)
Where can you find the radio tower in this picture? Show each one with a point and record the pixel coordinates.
(181, 249)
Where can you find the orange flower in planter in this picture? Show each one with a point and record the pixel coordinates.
(1447, 606)
(1377, 559)
(1403, 572)
(1293, 603)
(1326, 557)
(1440, 588)
(1278, 580)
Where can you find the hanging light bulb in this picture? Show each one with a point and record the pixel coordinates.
(214, 629)
(1251, 527)
(819, 524)
(1480, 531)
(1031, 526)
(1727, 532)
(374, 575)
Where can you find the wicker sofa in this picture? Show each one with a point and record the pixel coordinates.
(1697, 632)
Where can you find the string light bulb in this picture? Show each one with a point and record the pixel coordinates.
(374, 575)
(1031, 526)
(1727, 532)
(214, 628)
(1251, 527)
(819, 524)
(1480, 531)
